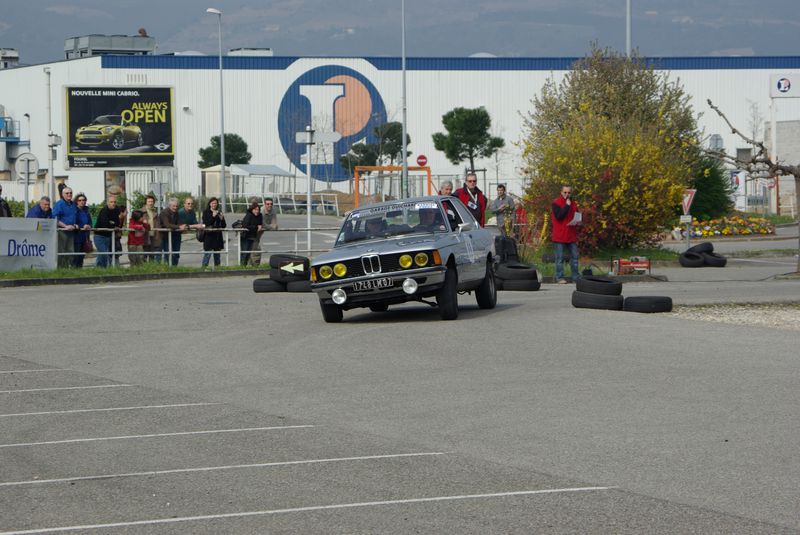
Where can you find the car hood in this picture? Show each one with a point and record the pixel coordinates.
(399, 244)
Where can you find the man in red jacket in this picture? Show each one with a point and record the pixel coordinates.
(473, 198)
(565, 232)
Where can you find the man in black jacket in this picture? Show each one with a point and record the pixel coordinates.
(5, 209)
(107, 219)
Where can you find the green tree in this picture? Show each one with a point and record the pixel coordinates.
(467, 136)
(235, 152)
(713, 197)
(623, 136)
(390, 142)
(360, 154)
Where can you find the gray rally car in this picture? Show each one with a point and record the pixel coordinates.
(406, 250)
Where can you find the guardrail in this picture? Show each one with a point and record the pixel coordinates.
(232, 245)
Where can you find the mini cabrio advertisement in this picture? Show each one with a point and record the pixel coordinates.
(119, 127)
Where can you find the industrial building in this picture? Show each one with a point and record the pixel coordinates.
(157, 111)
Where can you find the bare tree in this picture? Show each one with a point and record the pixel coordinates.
(756, 121)
(761, 163)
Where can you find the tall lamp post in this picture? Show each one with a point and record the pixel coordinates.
(404, 178)
(218, 13)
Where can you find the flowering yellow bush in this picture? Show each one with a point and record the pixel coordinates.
(730, 226)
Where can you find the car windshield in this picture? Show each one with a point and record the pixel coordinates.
(388, 220)
(108, 119)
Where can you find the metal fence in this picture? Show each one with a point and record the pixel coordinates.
(231, 254)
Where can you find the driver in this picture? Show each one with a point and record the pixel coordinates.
(374, 227)
(427, 219)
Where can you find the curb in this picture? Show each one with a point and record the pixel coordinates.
(97, 279)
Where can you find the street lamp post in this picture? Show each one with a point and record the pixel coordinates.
(218, 13)
(404, 178)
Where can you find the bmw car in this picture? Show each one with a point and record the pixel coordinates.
(110, 130)
(426, 249)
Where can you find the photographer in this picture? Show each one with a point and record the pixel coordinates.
(565, 232)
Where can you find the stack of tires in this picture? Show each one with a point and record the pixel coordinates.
(605, 293)
(510, 273)
(287, 273)
(702, 255)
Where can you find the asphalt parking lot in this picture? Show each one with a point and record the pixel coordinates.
(197, 406)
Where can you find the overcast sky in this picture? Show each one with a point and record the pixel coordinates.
(533, 28)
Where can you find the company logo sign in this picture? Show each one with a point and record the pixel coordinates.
(330, 99)
(784, 85)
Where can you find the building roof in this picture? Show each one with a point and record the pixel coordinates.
(240, 169)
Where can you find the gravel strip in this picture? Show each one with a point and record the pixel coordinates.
(777, 315)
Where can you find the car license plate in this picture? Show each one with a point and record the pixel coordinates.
(372, 284)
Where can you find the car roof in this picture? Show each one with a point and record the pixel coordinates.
(428, 198)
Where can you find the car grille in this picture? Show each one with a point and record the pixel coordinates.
(91, 132)
(388, 263)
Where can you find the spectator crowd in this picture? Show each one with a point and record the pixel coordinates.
(152, 235)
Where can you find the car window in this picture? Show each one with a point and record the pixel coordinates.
(395, 219)
(465, 214)
(452, 214)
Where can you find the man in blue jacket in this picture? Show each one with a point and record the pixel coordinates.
(41, 210)
(66, 212)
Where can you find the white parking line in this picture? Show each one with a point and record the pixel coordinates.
(129, 437)
(215, 468)
(304, 509)
(33, 371)
(61, 388)
(109, 409)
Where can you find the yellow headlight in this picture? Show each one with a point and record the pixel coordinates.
(325, 272)
(405, 261)
(421, 259)
(313, 274)
(340, 270)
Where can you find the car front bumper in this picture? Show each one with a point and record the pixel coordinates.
(428, 280)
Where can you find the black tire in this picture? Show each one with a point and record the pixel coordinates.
(379, 307)
(599, 285)
(298, 286)
(267, 285)
(691, 260)
(447, 298)
(705, 247)
(331, 313)
(281, 276)
(277, 259)
(516, 272)
(486, 294)
(530, 285)
(648, 304)
(714, 259)
(597, 301)
(118, 142)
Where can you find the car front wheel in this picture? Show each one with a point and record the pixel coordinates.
(331, 313)
(118, 142)
(447, 298)
(486, 295)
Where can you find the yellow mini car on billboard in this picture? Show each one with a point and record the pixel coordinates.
(110, 130)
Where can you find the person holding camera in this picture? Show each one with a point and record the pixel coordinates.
(213, 240)
(565, 232)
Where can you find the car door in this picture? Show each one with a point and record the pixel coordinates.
(473, 261)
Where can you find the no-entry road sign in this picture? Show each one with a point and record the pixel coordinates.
(422, 160)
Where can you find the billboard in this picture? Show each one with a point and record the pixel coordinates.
(120, 127)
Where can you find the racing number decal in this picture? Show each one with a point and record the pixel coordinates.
(470, 249)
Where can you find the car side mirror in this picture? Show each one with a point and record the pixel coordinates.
(464, 227)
